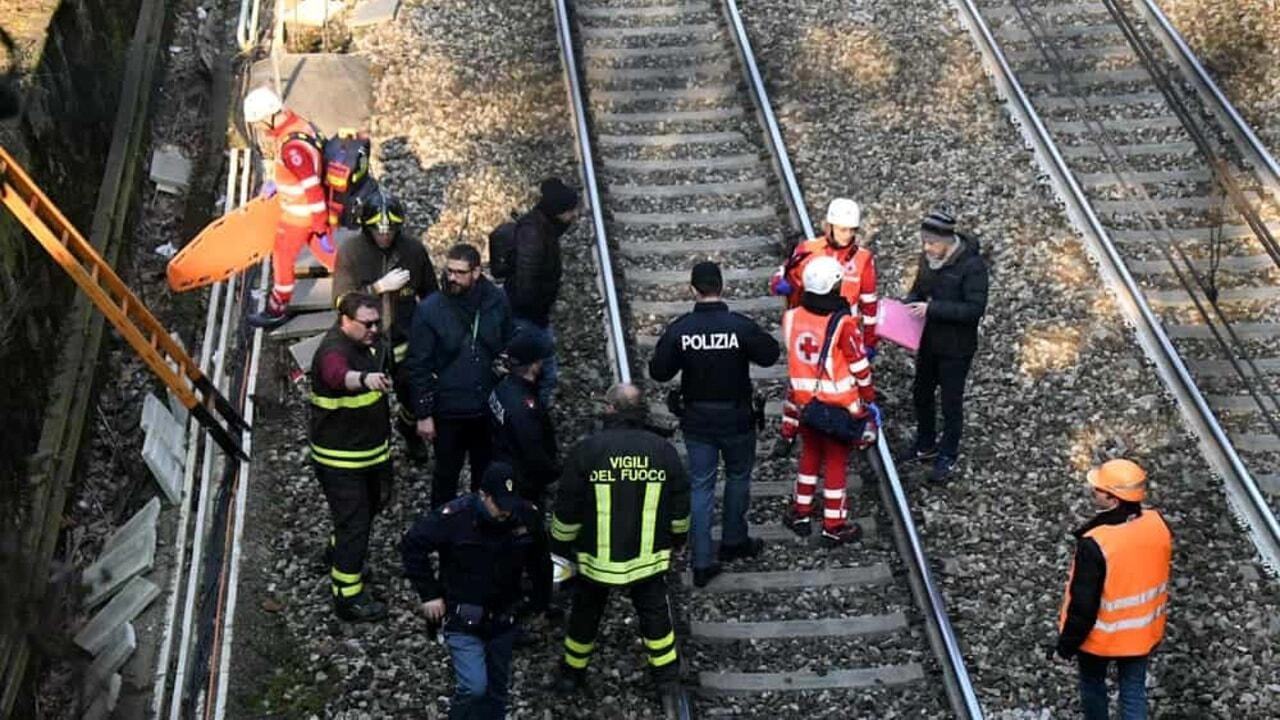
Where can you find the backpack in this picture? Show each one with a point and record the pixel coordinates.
(502, 248)
(346, 175)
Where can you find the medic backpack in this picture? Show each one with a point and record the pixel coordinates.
(502, 248)
(346, 176)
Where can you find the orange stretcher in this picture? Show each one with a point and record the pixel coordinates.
(233, 242)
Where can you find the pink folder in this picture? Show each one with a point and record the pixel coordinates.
(899, 326)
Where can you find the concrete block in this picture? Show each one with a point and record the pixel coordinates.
(170, 170)
(305, 325)
(105, 703)
(141, 520)
(179, 411)
(372, 12)
(112, 570)
(122, 644)
(332, 91)
(165, 468)
(123, 608)
(157, 420)
(312, 294)
(305, 351)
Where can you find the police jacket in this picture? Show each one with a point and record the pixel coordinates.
(712, 348)
(1139, 620)
(361, 263)
(481, 559)
(350, 429)
(523, 435)
(622, 502)
(534, 283)
(957, 297)
(453, 343)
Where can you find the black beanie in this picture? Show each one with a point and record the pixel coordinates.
(939, 223)
(556, 197)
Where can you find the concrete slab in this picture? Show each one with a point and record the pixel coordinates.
(157, 420)
(121, 645)
(170, 170)
(372, 12)
(312, 294)
(332, 91)
(304, 325)
(141, 520)
(305, 351)
(112, 570)
(124, 607)
(864, 625)
(103, 705)
(790, 579)
(165, 468)
(750, 683)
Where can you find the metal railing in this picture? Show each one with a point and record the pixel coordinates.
(1242, 490)
(942, 636)
(617, 338)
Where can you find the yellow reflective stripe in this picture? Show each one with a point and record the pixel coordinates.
(649, 520)
(401, 351)
(612, 573)
(563, 531)
(661, 642)
(576, 663)
(604, 521)
(344, 578)
(664, 659)
(680, 526)
(351, 454)
(347, 401)
(348, 590)
(577, 647)
(383, 455)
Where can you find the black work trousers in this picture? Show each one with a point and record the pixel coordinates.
(355, 497)
(458, 439)
(649, 596)
(948, 373)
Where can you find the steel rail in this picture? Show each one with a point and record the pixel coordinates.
(247, 25)
(1242, 490)
(942, 637)
(617, 338)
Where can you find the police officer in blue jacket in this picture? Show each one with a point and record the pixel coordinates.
(712, 349)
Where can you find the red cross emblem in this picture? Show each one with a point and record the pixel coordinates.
(807, 348)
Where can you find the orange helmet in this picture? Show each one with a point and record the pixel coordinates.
(1122, 478)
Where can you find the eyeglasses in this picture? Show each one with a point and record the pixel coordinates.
(368, 324)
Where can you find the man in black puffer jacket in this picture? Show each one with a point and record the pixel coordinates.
(950, 292)
(456, 336)
(534, 284)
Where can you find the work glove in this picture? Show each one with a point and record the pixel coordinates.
(391, 282)
(778, 285)
(326, 242)
(871, 352)
(876, 417)
(268, 189)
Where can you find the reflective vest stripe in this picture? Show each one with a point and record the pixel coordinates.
(1141, 598)
(303, 210)
(649, 517)
(563, 531)
(604, 522)
(400, 351)
(823, 385)
(621, 573)
(351, 459)
(347, 401)
(1130, 623)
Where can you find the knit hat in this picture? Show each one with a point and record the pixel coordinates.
(528, 347)
(940, 223)
(499, 481)
(556, 197)
(706, 276)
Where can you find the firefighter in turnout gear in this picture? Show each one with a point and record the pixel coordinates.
(1118, 593)
(830, 402)
(839, 240)
(384, 262)
(622, 506)
(297, 184)
(350, 445)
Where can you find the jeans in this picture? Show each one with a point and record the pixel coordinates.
(934, 372)
(1132, 672)
(482, 668)
(550, 375)
(739, 453)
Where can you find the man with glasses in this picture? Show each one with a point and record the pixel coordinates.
(456, 337)
(351, 445)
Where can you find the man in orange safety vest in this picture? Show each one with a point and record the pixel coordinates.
(1117, 596)
(297, 184)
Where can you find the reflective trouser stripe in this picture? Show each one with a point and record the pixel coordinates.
(345, 584)
(662, 651)
(344, 578)
(351, 459)
(576, 654)
(401, 351)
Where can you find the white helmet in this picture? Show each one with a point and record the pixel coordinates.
(844, 213)
(822, 275)
(260, 104)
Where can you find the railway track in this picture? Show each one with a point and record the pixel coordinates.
(673, 117)
(1178, 201)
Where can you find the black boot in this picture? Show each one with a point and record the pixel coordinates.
(417, 449)
(669, 697)
(359, 608)
(270, 318)
(568, 681)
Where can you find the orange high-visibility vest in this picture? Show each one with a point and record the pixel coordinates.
(1135, 591)
(846, 378)
(298, 167)
(858, 286)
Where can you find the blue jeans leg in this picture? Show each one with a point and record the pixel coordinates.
(704, 465)
(1093, 686)
(470, 672)
(739, 458)
(1133, 687)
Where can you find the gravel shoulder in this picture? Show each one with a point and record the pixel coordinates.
(874, 106)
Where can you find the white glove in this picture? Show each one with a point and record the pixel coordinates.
(391, 282)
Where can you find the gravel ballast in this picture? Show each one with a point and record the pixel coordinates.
(887, 102)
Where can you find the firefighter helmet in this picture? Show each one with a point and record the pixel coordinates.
(822, 275)
(1122, 478)
(383, 214)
